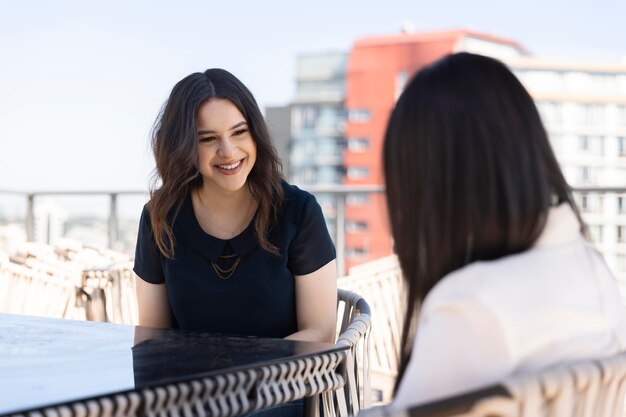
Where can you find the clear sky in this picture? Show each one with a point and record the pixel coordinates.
(81, 82)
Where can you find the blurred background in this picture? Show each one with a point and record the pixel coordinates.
(81, 84)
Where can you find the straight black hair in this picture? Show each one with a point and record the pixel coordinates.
(469, 172)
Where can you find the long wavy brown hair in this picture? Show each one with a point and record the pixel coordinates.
(175, 147)
(469, 172)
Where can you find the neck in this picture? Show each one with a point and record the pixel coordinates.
(562, 226)
(223, 215)
(225, 202)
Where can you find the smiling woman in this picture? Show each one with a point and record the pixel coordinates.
(226, 151)
(225, 245)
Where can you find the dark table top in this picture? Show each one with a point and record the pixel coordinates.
(47, 361)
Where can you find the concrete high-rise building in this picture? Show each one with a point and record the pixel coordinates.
(317, 123)
(583, 106)
(318, 119)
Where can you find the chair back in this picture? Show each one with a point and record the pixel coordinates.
(29, 291)
(110, 293)
(354, 324)
(380, 283)
(590, 388)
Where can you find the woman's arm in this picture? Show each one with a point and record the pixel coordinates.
(316, 305)
(153, 306)
(152, 302)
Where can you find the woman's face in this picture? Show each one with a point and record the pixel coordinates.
(226, 149)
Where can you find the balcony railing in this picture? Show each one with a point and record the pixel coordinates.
(112, 223)
(338, 192)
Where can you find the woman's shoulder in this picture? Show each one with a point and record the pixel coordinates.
(294, 193)
(296, 199)
(179, 209)
(507, 283)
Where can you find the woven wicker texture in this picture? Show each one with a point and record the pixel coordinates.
(380, 283)
(354, 321)
(70, 282)
(594, 388)
(223, 395)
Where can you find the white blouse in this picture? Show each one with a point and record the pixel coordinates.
(555, 302)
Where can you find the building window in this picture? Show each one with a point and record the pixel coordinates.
(358, 144)
(591, 144)
(593, 114)
(359, 115)
(621, 115)
(584, 203)
(357, 199)
(621, 234)
(356, 226)
(304, 118)
(585, 174)
(329, 147)
(621, 145)
(401, 79)
(621, 204)
(357, 173)
(356, 252)
(590, 203)
(596, 232)
(328, 175)
(583, 142)
(588, 175)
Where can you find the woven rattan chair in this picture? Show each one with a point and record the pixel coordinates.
(24, 290)
(593, 388)
(353, 328)
(380, 283)
(108, 294)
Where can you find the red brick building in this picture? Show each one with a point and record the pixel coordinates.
(377, 70)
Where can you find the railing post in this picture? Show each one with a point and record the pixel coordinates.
(340, 233)
(30, 217)
(112, 220)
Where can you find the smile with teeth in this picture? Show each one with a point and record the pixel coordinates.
(230, 167)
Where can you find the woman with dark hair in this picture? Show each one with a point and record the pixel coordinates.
(224, 244)
(488, 237)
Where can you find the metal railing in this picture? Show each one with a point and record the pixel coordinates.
(339, 193)
(112, 228)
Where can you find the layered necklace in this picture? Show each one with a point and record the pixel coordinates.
(229, 260)
(222, 268)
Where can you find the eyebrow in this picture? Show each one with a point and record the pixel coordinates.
(206, 132)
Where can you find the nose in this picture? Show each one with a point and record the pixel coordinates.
(227, 148)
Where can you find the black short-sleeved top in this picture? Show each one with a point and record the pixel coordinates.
(259, 298)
